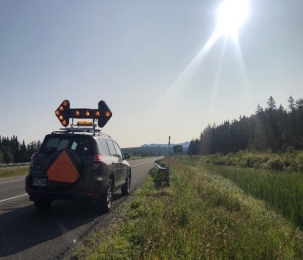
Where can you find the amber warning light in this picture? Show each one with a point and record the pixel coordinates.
(102, 114)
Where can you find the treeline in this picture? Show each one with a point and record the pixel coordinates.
(273, 129)
(12, 151)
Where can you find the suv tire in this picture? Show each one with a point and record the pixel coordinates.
(107, 197)
(126, 187)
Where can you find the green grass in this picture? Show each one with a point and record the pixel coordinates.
(201, 215)
(13, 171)
(283, 191)
(289, 161)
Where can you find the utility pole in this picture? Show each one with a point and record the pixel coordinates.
(168, 152)
(167, 168)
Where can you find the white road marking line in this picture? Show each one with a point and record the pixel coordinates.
(141, 164)
(5, 182)
(13, 197)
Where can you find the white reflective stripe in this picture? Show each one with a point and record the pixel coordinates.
(13, 197)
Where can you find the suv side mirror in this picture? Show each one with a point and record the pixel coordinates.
(126, 156)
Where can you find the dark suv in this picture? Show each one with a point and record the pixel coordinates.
(78, 163)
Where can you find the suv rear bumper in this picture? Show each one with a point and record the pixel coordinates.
(63, 196)
(97, 187)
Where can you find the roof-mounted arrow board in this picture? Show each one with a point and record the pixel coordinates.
(102, 114)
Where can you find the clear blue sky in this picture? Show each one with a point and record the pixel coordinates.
(142, 58)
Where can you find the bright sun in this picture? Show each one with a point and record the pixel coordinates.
(231, 15)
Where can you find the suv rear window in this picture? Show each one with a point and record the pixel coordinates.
(82, 145)
(104, 146)
(117, 148)
(111, 147)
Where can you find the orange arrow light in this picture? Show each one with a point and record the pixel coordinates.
(62, 113)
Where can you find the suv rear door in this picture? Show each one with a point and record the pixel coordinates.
(81, 146)
(117, 162)
(122, 167)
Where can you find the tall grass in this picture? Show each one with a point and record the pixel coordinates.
(290, 161)
(13, 171)
(201, 215)
(281, 190)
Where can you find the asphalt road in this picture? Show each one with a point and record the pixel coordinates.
(26, 233)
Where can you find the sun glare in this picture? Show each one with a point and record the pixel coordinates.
(231, 15)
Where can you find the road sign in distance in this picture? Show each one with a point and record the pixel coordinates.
(178, 148)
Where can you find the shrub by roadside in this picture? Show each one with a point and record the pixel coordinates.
(290, 161)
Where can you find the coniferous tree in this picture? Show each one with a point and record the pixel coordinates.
(274, 129)
(24, 157)
(291, 103)
(259, 109)
(7, 156)
(194, 147)
(271, 103)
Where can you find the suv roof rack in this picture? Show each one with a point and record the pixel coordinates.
(78, 129)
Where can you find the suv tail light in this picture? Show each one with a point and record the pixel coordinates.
(31, 164)
(97, 160)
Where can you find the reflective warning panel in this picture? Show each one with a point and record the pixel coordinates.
(63, 170)
(162, 174)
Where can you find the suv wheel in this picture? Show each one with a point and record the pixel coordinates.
(42, 203)
(126, 187)
(107, 197)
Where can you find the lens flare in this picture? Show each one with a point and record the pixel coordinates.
(231, 15)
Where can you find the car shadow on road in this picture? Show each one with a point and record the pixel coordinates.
(26, 228)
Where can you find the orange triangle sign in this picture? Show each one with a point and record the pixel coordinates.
(63, 170)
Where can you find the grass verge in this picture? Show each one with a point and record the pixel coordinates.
(13, 171)
(201, 215)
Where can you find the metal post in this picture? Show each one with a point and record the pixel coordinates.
(168, 151)
(167, 167)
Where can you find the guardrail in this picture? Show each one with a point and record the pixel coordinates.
(163, 172)
(13, 164)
